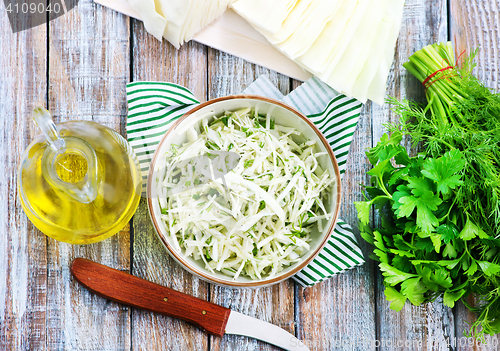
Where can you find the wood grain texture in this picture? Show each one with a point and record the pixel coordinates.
(93, 53)
(88, 69)
(339, 313)
(476, 24)
(228, 75)
(429, 326)
(160, 61)
(23, 267)
(152, 331)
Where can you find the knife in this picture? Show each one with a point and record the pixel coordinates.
(214, 319)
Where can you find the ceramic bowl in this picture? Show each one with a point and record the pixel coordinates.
(283, 115)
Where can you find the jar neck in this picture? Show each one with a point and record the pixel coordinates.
(83, 190)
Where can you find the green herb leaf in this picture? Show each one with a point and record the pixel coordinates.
(472, 268)
(402, 244)
(443, 170)
(449, 297)
(489, 268)
(424, 204)
(425, 244)
(394, 276)
(213, 192)
(363, 208)
(395, 297)
(402, 263)
(420, 186)
(383, 147)
(402, 253)
(366, 233)
(448, 232)
(414, 290)
(436, 241)
(470, 231)
(380, 168)
(402, 191)
(450, 264)
(449, 251)
(439, 276)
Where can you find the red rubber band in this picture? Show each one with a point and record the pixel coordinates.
(458, 58)
(427, 82)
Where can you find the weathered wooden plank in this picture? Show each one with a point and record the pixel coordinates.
(228, 75)
(157, 61)
(463, 320)
(430, 326)
(88, 69)
(89, 66)
(339, 313)
(476, 24)
(23, 267)
(160, 61)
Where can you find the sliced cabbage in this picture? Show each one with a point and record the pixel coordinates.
(258, 218)
(267, 16)
(178, 20)
(347, 44)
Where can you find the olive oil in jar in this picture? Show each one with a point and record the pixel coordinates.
(71, 168)
(83, 190)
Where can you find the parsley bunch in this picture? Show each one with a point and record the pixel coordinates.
(461, 114)
(439, 231)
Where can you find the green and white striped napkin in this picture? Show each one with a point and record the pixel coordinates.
(154, 106)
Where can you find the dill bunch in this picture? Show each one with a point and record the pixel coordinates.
(461, 114)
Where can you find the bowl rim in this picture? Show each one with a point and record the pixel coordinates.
(205, 275)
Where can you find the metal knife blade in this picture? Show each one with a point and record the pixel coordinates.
(241, 324)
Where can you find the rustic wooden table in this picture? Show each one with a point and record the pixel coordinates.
(78, 66)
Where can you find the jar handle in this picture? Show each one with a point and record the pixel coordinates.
(44, 120)
(84, 191)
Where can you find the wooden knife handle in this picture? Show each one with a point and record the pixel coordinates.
(136, 292)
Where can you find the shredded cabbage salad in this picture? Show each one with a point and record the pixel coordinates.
(257, 219)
